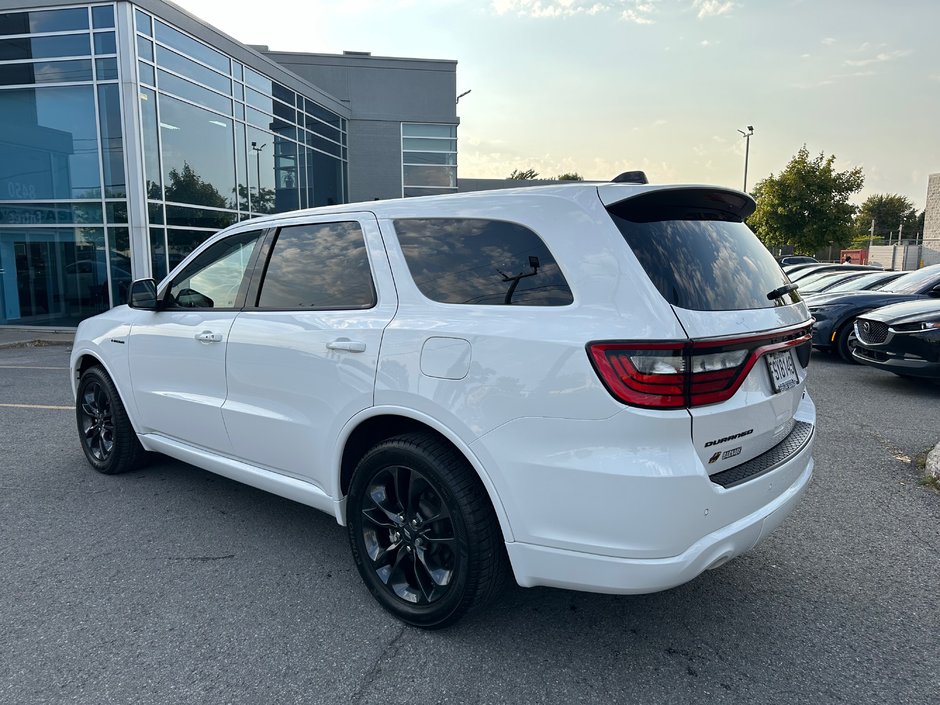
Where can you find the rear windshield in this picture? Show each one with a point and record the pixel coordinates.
(700, 259)
(913, 282)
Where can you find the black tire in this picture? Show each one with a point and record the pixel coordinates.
(423, 533)
(107, 437)
(846, 341)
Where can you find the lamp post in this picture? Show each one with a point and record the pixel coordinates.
(462, 95)
(257, 150)
(747, 150)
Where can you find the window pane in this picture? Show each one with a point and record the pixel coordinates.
(106, 69)
(475, 261)
(144, 48)
(199, 217)
(148, 119)
(147, 74)
(102, 16)
(176, 39)
(48, 21)
(438, 176)
(198, 155)
(112, 141)
(429, 158)
(413, 191)
(119, 255)
(197, 94)
(155, 213)
(428, 145)
(256, 80)
(105, 43)
(50, 214)
(326, 175)
(283, 93)
(158, 253)
(426, 130)
(116, 212)
(44, 47)
(50, 145)
(142, 21)
(322, 113)
(180, 64)
(215, 278)
(323, 266)
(261, 171)
(45, 72)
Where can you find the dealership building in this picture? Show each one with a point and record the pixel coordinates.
(132, 131)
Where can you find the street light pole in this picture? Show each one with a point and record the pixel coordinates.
(747, 150)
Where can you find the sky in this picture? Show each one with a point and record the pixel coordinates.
(599, 87)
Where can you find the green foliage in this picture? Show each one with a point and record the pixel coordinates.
(807, 205)
(570, 176)
(889, 211)
(524, 175)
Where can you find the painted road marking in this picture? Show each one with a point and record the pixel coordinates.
(37, 406)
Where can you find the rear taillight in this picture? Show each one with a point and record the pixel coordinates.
(677, 375)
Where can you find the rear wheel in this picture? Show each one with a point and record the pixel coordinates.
(423, 533)
(847, 341)
(108, 439)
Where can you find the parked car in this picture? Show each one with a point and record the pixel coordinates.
(817, 282)
(902, 338)
(864, 282)
(472, 391)
(796, 259)
(815, 270)
(835, 314)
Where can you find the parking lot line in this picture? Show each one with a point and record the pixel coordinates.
(36, 406)
(29, 367)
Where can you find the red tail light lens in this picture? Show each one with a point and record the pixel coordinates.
(677, 375)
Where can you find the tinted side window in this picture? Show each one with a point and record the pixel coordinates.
(215, 279)
(476, 261)
(321, 266)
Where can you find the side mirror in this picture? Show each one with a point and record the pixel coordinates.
(935, 292)
(143, 295)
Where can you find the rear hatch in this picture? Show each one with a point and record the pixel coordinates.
(741, 373)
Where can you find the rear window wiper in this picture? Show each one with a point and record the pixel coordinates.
(781, 290)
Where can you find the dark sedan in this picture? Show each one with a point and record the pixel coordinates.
(836, 313)
(902, 338)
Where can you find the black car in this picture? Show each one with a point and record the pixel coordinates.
(796, 259)
(815, 269)
(902, 338)
(835, 313)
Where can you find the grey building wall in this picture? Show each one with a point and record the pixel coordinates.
(381, 93)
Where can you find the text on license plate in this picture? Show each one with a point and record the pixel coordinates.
(782, 370)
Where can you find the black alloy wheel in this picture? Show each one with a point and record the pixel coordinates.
(423, 532)
(846, 342)
(107, 437)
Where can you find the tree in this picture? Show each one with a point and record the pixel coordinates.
(524, 175)
(570, 176)
(889, 211)
(807, 205)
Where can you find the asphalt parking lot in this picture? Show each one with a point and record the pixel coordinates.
(171, 584)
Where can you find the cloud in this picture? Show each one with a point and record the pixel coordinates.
(635, 11)
(880, 57)
(829, 41)
(707, 43)
(712, 8)
(806, 56)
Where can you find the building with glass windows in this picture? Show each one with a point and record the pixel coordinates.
(132, 131)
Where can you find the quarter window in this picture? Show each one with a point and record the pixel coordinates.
(476, 261)
(318, 266)
(216, 278)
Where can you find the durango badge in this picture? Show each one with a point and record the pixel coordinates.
(729, 438)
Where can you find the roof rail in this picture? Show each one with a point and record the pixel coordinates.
(630, 177)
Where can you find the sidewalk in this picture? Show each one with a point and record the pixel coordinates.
(23, 337)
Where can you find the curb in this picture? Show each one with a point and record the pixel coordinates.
(33, 343)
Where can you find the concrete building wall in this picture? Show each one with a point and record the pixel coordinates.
(932, 221)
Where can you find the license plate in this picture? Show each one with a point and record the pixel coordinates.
(782, 370)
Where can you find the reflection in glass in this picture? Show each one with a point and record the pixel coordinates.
(181, 242)
(158, 253)
(169, 59)
(144, 48)
(428, 130)
(190, 91)
(198, 155)
(326, 174)
(116, 212)
(45, 72)
(322, 266)
(106, 69)
(476, 261)
(241, 166)
(119, 256)
(50, 145)
(199, 217)
(438, 176)
(142, 22)
(44, 47)
(148, 119)
(146, 73)
(215, 277)
(261, 171)
(43, 21)
(102, 16)
(112, 142)
(176, 39)
(105, 43)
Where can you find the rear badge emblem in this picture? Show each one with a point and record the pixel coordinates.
(714, 457)
(731, 453)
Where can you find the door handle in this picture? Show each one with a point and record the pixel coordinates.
(207, 336)
(347, 345)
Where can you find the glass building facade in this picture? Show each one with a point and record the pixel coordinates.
(126, 142)
(429, 159)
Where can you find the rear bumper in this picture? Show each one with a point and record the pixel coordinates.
(575, 570)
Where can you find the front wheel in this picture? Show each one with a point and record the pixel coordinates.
(423, 533)
(846, 341)
(107, 437)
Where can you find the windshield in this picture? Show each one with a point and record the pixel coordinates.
(823, 281)
(867, 281)
(913, 282)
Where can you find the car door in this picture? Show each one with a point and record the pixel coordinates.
(177, 354)
(302, 356)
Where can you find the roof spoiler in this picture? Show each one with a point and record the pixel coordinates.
(630, 177)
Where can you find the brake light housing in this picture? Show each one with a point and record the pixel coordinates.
(684, 374)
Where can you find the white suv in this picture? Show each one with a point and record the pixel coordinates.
(595, 387)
